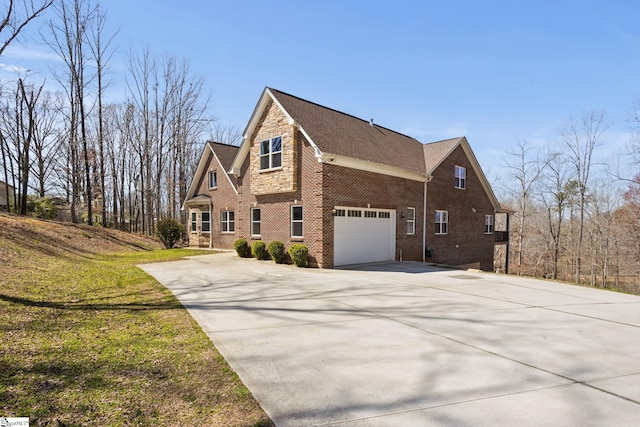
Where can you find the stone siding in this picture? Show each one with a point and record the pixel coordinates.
(274, 123)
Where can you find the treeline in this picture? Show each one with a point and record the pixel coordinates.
(577, 218)
(123, 164)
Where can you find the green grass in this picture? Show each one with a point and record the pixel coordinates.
(94, 340)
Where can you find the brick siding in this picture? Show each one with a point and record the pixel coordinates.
(465, 243)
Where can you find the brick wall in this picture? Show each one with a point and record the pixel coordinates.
(466, 243)
(350, 187)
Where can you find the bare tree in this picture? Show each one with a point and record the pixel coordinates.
(100, 45)
(554, 193)
(226, 134)
(47, 137)
(526, 170)
(68, 39)
(171, 107)
(581, 140)
(16, 16)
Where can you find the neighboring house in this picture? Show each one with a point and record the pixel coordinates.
(3, 195)
(352, 191)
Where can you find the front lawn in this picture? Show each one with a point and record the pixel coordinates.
(93, 340)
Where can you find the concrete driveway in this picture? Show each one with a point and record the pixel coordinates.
(403, 344)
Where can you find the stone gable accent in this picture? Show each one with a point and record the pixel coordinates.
(282, 180)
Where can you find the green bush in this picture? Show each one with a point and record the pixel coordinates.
(299, 254)
(41, 207)
(259, 250)
(170, 231)
(276, 250)
(242, 248)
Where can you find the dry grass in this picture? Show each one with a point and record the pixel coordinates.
(87, 338)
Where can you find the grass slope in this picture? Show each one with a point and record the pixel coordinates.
(87, 338)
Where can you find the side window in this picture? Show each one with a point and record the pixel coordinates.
(227, 222)
(488, 224)
(255, 221)
(296, 221)
(205, 222)
(213, 179)
(194, 222)
(442, 222)
(411, 220)
(460, 177)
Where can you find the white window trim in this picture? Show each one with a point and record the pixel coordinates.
(202, 222)
(463, 178)
(411, 220)
(301, 221)
(446, 221)
(488, 224)
(228, 222)
(194, 222)
(215, 173)
(269, 155)
(256, 222)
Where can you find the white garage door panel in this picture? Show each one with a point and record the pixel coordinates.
(361, 239)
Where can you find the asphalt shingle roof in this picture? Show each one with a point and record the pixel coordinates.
(225, 152)
(342, 134)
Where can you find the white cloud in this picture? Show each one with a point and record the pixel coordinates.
(14, 68)
(30, 54)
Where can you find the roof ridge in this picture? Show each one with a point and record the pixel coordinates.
(210, 141)
(340, 112)
(444, 140)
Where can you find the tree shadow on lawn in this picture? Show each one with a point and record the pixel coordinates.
(134, 306)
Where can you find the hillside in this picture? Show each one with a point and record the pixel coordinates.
(23, 240)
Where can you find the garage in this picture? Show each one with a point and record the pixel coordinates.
(363, 235)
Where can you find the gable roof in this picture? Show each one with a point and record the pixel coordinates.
(341, 139)
(342, 134)
(436, 152)
(224, 155)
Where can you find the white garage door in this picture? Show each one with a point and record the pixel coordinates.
(364, 235)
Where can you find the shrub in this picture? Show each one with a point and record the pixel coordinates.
(299, 254)
(41, 207)
(169, 231)
(276, 250)
(242, 248)
(259, 250)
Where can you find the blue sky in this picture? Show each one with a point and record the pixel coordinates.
(495, 71)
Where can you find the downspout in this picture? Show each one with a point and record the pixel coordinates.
(506, 258)
(424, 222)
(210, 226)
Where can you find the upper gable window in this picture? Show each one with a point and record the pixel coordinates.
(271, 153)
(213, 179)
(460, 177)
